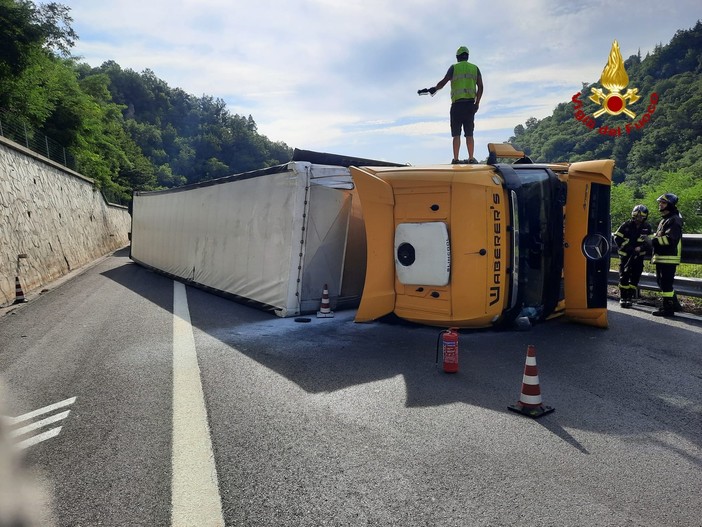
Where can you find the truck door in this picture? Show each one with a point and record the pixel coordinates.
(377, 200)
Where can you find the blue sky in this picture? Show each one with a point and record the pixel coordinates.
(342, 76)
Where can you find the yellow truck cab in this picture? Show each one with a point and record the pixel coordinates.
(479, 245)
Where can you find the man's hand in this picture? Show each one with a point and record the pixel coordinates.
(432, 90)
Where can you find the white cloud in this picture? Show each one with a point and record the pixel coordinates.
(342, 76)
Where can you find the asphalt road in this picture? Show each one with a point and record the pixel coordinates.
(335, 423)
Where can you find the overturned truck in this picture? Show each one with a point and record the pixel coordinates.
(273, 238)
(444, 245)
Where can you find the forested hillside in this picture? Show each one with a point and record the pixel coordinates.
(186, 138)
(131, 131)
(127, 130)
(663, 154)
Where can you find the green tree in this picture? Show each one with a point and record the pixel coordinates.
(687, 187)
(623, 201)
(662, 152)
(19, 33)
(29, 35)
(127, 130)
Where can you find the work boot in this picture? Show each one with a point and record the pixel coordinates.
(676, 303)
(625, 298)
(635, 295)
(667, 309)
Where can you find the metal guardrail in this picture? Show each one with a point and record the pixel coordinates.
(684, 286)
(692, 249)
(691, 254)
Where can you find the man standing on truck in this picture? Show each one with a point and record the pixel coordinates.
(631, 244)
(466, 91)
(667, 246)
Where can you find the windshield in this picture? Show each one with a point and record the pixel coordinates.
(541, 197)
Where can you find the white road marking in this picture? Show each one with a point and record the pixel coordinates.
(195, 499)
(11, 422)
(39, 424)
(38, 438)
(30, 415)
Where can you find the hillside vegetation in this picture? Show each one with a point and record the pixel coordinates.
(127, 130)
(663, 154)
(131, 131)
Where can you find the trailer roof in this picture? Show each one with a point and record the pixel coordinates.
(308, 156)
(322, 158)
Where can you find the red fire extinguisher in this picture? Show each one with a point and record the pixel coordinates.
(449, 350)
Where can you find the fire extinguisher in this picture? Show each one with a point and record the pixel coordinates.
(449, 350)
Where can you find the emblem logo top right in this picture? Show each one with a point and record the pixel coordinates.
(614, 78)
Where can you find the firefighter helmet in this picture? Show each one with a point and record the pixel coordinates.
(640, 211)
(668, 198)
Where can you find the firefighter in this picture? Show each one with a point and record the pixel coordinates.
(667, 246)
(631, 239)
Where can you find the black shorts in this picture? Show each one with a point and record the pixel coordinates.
(462, 117)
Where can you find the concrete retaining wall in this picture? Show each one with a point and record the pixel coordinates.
(52, 221)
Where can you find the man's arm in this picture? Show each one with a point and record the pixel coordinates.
(671, 234)
(442, 82)
(479, 91)
(622, 239)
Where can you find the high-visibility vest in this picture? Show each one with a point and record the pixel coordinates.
(464, 81)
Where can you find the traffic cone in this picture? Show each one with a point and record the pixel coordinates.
(529, 403)
(19, 294)
(324, 309)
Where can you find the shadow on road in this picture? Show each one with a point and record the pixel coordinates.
(637, 377)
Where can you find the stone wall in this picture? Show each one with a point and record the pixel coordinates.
(52, 221)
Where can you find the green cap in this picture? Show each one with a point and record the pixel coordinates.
(461, 51)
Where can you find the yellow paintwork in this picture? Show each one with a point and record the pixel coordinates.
(504, 150)
(580, 176)
(471, 201)
(377, 203)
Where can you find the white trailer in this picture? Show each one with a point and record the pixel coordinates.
(273, 237)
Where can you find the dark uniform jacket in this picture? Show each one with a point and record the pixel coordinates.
(667, 244)
(631, 235)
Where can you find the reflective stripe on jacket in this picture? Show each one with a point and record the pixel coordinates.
(667, 244)
(631, 235)
(464, 81)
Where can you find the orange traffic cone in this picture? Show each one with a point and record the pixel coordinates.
(324, 307)
(19, 294)
(529, 403)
